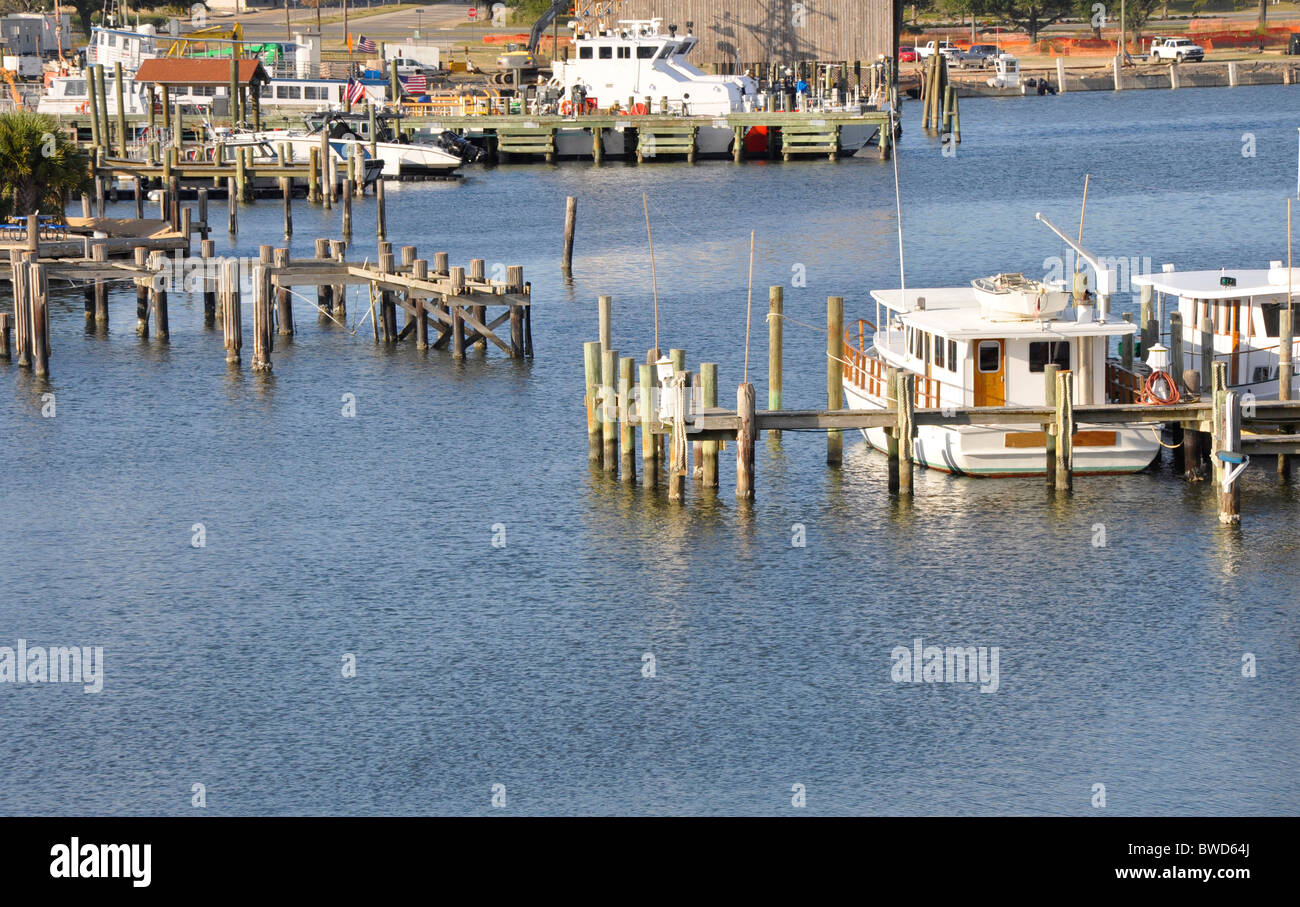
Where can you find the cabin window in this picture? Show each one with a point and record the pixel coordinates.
(112, 40)
(1043, 352)
(952, 355)
(938, 352)
(990, 356)
(1272, 312)
(925, 352)
(607, 53)
(77, 89)
(584, 53)
(625, 53)
(645, 53)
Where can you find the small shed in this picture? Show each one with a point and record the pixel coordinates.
(218, 79)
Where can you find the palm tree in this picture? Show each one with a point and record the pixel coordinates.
(39, 165)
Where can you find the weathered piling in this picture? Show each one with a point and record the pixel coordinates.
(570, 224)
(1193, 440)
(592, 361)
(708, 459)
(1229, 453)
(99, 255)
(347, 208)
(231, 317)
(262, 338)
(286, 192)
(232, 201)
(323, 290)
(381, 216)
(283, 298)
(207, 251)
(834, 375)
(420, 271)
(137, 191)
(313, 175)
(141, 259)
(745, 409)
(1218, 392)
(649, 420)
(1065, 430)
(338, 295)
(38, 311)
(514, 284)
(1050, 371)
(204, 228)
(775, 338)
(627, 428)
(604, 314)
(1147, 320)
(609, 409)
(1176, 369)
(457, 276)
(387, 305)
(158, 298)
(905, 428)
(6, 346)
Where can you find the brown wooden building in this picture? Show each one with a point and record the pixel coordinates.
(758, 31)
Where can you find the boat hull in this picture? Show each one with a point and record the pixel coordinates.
(1006, 451)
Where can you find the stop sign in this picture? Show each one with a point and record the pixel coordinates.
(473, 12)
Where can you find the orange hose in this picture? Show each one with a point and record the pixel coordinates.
(1149, 394)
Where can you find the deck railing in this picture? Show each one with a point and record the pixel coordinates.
(871, 375)
(1122, 385)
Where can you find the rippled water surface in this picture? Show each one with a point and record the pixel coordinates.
(523, 665)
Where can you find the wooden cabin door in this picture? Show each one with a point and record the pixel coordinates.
(990, 386)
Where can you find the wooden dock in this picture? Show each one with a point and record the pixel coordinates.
(1218, 431)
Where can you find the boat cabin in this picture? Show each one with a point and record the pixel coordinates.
(637, 61)
(1240, 312)
(963, 354)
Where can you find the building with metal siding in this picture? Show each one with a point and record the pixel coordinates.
(756, 31)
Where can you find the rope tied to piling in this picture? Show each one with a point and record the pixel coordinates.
(677, 454)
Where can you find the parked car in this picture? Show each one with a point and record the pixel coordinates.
(907, 55)
(945, 47)
(1179, 49)
(978, 55)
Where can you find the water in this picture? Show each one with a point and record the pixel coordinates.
(522, 665)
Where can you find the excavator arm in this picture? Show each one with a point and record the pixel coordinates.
(540, 26)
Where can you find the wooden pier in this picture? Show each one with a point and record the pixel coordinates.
(1219, 430)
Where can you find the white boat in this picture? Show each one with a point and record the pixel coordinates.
(1241, 309)
(646, 70)
(986, 344)
(397, 157)
(264, 147)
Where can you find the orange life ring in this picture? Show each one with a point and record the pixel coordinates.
(639, 109)
(566, 108)
(84, 108)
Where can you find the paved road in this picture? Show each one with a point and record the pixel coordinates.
(438, 23)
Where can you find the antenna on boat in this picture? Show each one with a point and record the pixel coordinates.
(654, 280)
(898, 206)
(1082, 211)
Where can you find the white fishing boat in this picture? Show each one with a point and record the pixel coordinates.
(264, 148)
(397, 156)
(1241, 310)
(646, 70)
(987, 344)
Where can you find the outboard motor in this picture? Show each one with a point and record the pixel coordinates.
(464, 149)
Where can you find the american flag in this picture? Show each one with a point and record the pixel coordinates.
(366, 46)
(416, 84)
(356, 91)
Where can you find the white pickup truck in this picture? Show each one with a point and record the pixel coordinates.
(945, 47)
(1179, 49)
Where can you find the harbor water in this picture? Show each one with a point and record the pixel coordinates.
(519, 619)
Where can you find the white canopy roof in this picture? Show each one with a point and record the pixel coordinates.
(955, 312)
(1205, 284)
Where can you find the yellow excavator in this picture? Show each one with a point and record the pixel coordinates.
(181, 46)
(13, 89)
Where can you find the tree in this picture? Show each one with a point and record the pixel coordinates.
(84, 10)
(1263, 16)
(39, 165)
(1032, 15)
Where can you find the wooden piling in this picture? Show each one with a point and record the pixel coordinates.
(514, 284)
(1065, 430)
(892, 446)
(591, 355)
(387, 305)
(141, 260)
(1147, 321)
(261, 320)
(745, 410)
(1193, 440)
(708, 459)
(38, 310)
(283, 298)
(6, 347)
(158, 298)
(905, 429)
(347, 207)
(834, 375)
(1228, 405)
(99, 254)
(775, 338)
(313, 175)
(570, 224)
(231, 316)
(1050, 371)
(627, 429)
(609, 409)
(207, 251)
(323, 290)
(649, 420)
(22, 314)
(605, 312)
(137, 190)
(232, 202)
(338, 296)
(381, 217)
(420, 271)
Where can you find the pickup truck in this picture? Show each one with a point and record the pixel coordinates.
(945, 47)
(1179, 49)
(978, 55)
